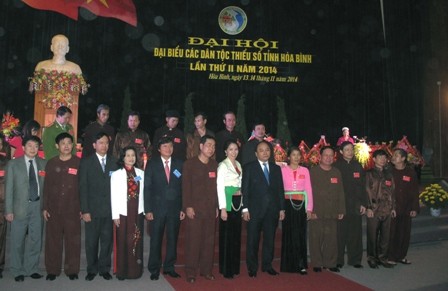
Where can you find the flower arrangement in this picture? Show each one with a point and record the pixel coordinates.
(434, 196)
(59, 86)
(362, 153)
(9, 124)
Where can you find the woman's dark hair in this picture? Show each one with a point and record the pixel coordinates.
(292, 149)
(29, 126)
(228, 142)
(6, 149)
(123, 151)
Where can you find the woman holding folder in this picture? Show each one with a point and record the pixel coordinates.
(230, 205)
(298, 208)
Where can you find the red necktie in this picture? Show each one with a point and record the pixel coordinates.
(167, 171)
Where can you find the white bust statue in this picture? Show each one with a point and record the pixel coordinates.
(59, 47)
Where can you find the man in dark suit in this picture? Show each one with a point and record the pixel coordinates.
(24, 186)
(163, 207)
(262, 189)
(94, 186)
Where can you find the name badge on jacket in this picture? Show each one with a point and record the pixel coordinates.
(356, 175)
(301, 176)
(334, 180)
(177, 140)
(41, 173)
(212, 174)
(2, 173)
(388, 183)
(138, 141)
(407, 178)
(72, 171)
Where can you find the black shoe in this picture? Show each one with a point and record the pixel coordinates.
(106, 276)
(36, 276)
(358, 266)
(119, 278)
(271, 272)
(19, 278)
(372, 264)
(51, 277)
(335, 270)
(73, 276)
(90, 276)
(154, 277)
(339, 266)
(252, 274)
(172, 274)
(303, 272)
(317, 269)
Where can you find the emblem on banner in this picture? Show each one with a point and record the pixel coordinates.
(232, 20)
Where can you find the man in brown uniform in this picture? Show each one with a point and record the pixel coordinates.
(380, 188)
(200, 201)
(329, 207)
(194, 138)
(136, 137)
(61, 211)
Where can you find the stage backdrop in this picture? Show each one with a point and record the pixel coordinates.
(335, 63)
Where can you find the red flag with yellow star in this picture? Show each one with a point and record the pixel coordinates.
(120, 9)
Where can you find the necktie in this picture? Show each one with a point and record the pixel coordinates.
(266, 172)
(33, 193)
(167, 171)
(103, 164)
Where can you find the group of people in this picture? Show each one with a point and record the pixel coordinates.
(123, 179)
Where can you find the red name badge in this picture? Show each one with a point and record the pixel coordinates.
(334, 180)
(177, 140)
(72, 171)
(41, 173)
(138, 141)
(301, 176)
(2, 173)
(356, 175)
(212, 174)
(407, 178)
(388, 183)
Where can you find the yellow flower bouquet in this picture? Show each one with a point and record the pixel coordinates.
(434, 196)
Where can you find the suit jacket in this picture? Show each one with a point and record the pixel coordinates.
(17, 186)
(94, 186)
(258, 195)
(119, 192)
(161, 197)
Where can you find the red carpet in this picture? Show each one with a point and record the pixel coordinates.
(285, 281)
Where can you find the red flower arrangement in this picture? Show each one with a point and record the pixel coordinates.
(59, 86)
(9, 124)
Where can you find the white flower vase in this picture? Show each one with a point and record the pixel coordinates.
(435, 211)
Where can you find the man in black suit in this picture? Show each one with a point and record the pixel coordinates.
(262, 190)
(163, 207)
(94, 186)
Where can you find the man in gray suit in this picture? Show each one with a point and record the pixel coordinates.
(23, 190)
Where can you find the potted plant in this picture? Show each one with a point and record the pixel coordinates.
(435, 198)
